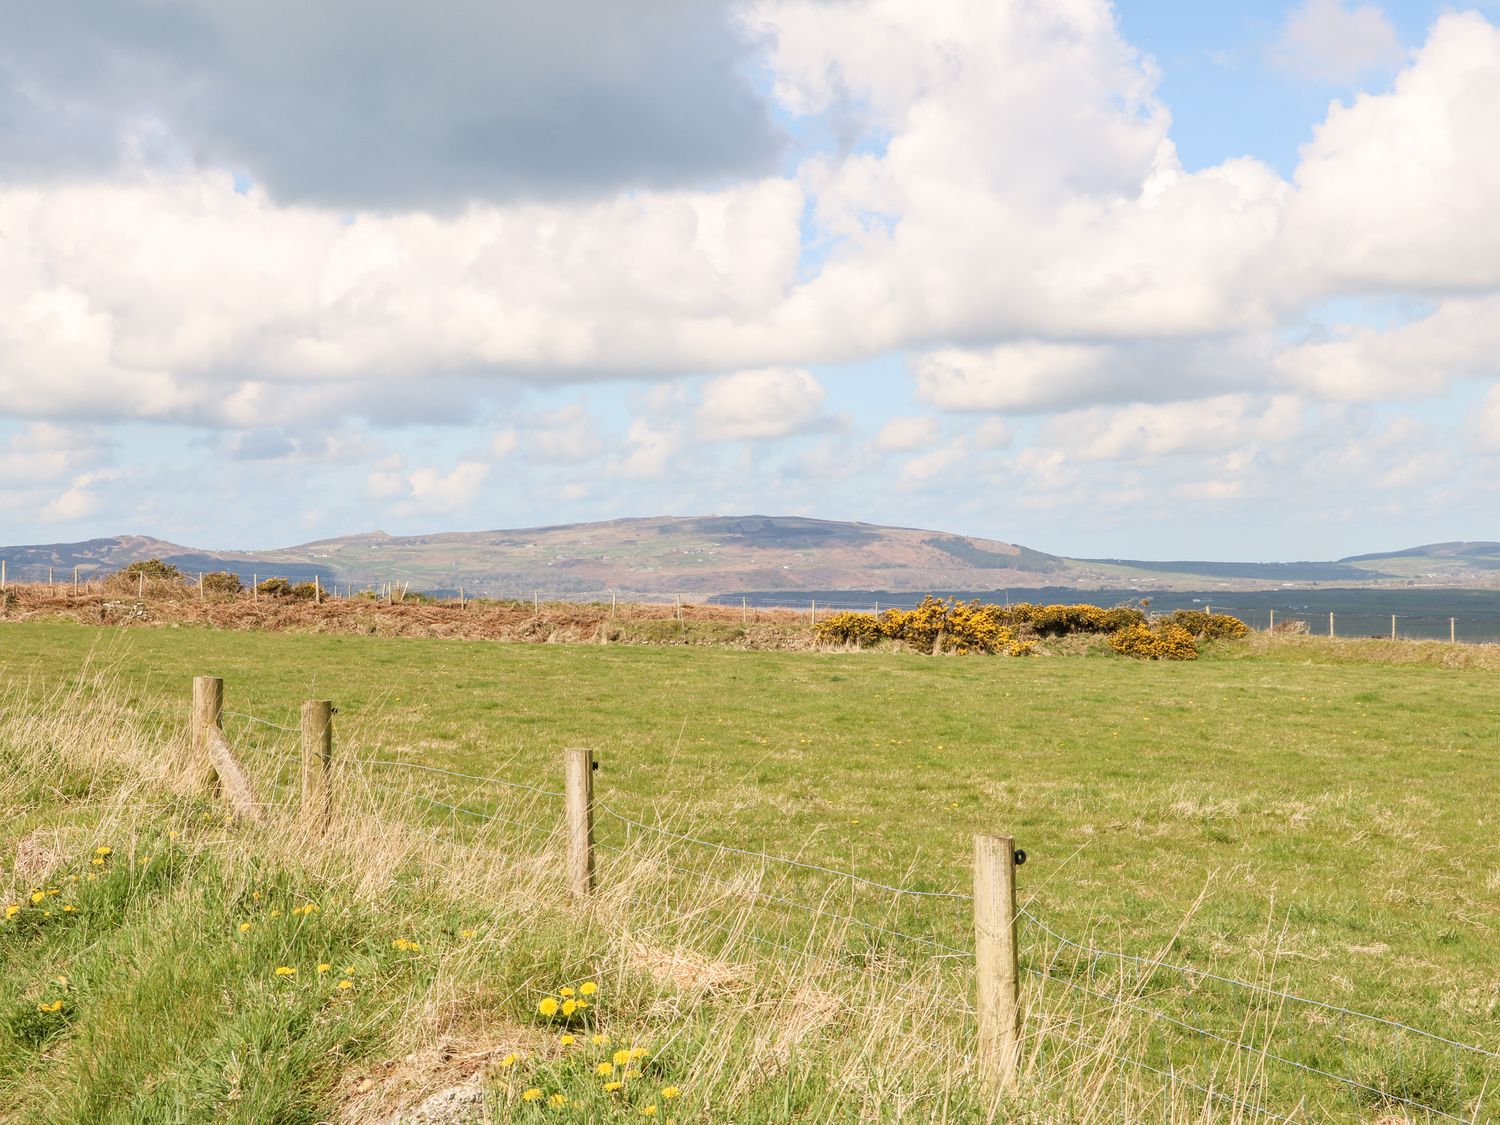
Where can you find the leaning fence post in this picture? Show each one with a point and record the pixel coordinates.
(317, 757)
(208, 707)
(996, 961)
(578, 774)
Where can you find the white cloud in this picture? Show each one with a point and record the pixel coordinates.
(1324, 41)
(649, 450)
(902, 435)
(426, 490)
(1205, 426)
(504, 443)
(80, 500)
(932, 469)
(566, 436)
(772, 402)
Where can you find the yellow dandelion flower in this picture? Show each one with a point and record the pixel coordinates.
(11, 911)
(466, 934)
(605, 1068)
(324, 967)
(587, 988)
(173, 834)
(548, 1007)
(103, 850)
(349, 971)
(565, 992)
(629, 1074)
(510, 1059)
(558, 1100)
(51, 891)
(36, 897)
(345, 984)
(254, 896)
(275, 914)
(244, 927)
(145, 859)
(46, 913)
(569, 1007)
(622, 1057)
(582, 1004)
(670, 1092)
(611, 1087)
(60, 981)
(55, 1006)
(285, 971)
(69, 908)
(648, 1110)
(414, 946)
(601, 1040)
(566, 1041)
(532, 1095)
(637, 1052)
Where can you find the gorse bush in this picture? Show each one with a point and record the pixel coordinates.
(222, 582)
(1209, 626)
(937, 624)
(151, 569)
(1160, 640)
(281, 588)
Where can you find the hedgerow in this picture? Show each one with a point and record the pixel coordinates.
(939, 625)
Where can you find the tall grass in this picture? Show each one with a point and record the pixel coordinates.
(449, 929)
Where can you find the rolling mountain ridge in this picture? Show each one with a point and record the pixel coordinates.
(698, 556)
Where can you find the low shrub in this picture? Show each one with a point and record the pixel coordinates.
(1161, 640)
(152, 569)
(861, 629)
(1209, 626)
(222, 582)
(281, 588)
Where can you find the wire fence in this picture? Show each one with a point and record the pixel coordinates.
(1258, 1051)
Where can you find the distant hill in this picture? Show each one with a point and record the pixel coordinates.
(706, 555)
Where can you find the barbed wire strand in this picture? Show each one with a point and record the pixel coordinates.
(461, 809)
(818, 911)
(849, 875)
(262, 722)
(1250, 985)
(455, 773)
(1239, 1045)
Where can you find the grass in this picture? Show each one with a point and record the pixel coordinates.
(1298, 814)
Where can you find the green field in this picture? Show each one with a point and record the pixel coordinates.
(1293, 818)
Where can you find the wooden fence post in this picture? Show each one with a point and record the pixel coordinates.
(1393, 626)
(208, 709)
(996, 962)
(317, 758)
(578, 775)
(1330, 622)
(1272, 627)
(2, 574)
(317, 590)
(1452, 630)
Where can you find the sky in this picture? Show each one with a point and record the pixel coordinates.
(1149, 280)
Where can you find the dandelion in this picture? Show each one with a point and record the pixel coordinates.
(648, 1110)
(622, 1057)
(565, 992)
(324, 967)
(285, 971)
(173, 834)
(629, 1074)
(566, 1041)
(467, 934)
(349, 971)
(275, 914)
(510, 1059)
(558, 1100)
(601, 1040)
(11, 911)
(569, 1007)
(51, 891)
(605, 1069)
(637, 1052)
(670, 1092)
(55, 1006)
(69, 908)
(36, 897)
(548, 1007)
(97, 862)
(611, 1087)
(582, 1004)
(532, 1095)
(345, 984)
(244, 927)
(587, 988)
(145, 859)
(104, 850)
(60, 981)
